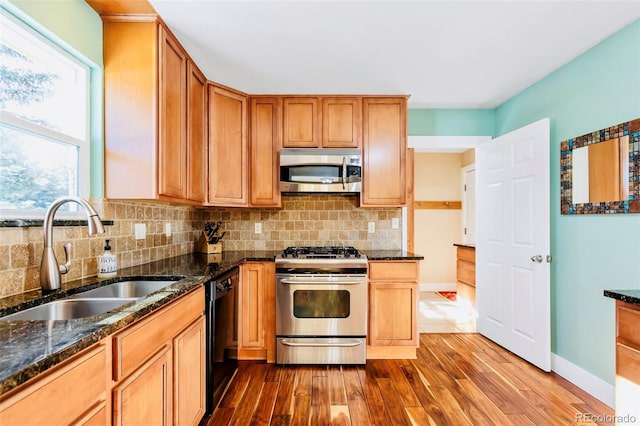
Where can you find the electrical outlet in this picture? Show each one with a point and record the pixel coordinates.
(395, 223)
(167, 229)
(140, 231)
(258, 228)
(372, 227)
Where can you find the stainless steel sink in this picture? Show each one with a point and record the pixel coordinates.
(67, 309)
(124, 289)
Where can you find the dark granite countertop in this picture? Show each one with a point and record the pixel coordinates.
(31, 347)
(629, 296)
(391, 255)
(473, 246)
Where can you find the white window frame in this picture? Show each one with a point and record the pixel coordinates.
(84, 145)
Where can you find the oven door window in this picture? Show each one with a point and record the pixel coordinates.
(321, 303)
(311, 174)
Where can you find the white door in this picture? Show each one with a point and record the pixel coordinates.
(469, 204)
(512, 247)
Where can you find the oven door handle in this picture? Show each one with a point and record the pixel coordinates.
(348, 344)
(339, 282)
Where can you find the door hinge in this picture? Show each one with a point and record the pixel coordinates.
(465, 230)
(549, 258)
(465, 187)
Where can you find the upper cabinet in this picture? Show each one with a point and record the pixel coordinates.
(341, 122)
(228, 147)
(301, 123)
(266, 116)
(384, 152)
(154, 116)
(321, 122)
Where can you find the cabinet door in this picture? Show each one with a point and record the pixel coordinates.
(301, 123)
(265, 141)
(189, 374)
(384, 151)
(392, 314)
(341, 122)
(172, 153)
(72, 393)
(227, 148)
(196, 134)
(256, 338)
(145, 397)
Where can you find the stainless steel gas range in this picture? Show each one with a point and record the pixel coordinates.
(321, 306)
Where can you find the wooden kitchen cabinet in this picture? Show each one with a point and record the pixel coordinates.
(159, 365)
(145, 396)
(466, 273)
(266, 119)
(384, 152)
(82, 383)
(301, 122)
(393, 304)
(627, 385)
(151, 118)
(256, 308)
(228, 147)
(197, 143)
(341, 122)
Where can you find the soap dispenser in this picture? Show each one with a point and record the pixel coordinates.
(107, 262)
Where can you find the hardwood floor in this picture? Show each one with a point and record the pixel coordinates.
(457, 379)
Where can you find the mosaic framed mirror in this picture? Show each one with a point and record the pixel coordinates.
(600, 171)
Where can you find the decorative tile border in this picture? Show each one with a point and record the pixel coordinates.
(632, 205)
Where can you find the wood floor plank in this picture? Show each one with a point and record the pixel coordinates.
(320, 400)
(339, 415)
(405, 390)
(358, 410)
(247, 404)
(264, 408)
(236, 388)
(373, 397)
(393, 402)
(450, 407)
(337, 394)
(419, 417)
(471, 391)
(283, 408)
(301, 410)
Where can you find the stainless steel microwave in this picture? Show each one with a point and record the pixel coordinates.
(320, 170)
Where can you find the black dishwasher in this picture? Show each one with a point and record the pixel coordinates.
(222, 352)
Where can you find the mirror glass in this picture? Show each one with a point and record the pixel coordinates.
(600, 171)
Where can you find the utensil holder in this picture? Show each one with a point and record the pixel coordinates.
(203, 246)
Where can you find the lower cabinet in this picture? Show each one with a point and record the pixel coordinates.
(72, 392)
(150, 373)
(145, 396)
(159, 366)
(256, 312)
(393, 307)
(627, 362)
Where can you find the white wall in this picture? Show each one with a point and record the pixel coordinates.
(437, 178)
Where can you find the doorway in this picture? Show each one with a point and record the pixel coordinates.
(441, 165)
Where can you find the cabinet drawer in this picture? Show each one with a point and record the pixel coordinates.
(139, 342)
(393, 271)
(467, 254)
(628, 318)
(63, 396)
(466, 272)
(628, 363)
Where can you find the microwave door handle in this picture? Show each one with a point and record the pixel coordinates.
(344, 173)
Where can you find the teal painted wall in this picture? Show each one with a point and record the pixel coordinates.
(451, 122)
(75, 26)
(598, 89)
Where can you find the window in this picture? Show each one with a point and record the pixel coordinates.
(44, 122)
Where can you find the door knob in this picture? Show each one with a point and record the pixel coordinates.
(537, 258)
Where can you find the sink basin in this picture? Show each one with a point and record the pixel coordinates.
(66, 309)
(125, 289)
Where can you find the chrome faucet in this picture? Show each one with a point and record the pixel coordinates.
(49, 269)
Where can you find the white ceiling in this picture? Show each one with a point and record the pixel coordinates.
(445, 54)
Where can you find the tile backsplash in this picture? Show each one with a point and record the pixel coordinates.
(302, 220)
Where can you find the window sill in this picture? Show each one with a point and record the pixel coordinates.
(34, 223)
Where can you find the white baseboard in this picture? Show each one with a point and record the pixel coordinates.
(438, 286)
(586, 381)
